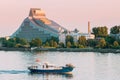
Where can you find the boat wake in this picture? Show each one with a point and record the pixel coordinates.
(13, 71)
(34, 74)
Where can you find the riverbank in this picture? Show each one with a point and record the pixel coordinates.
(79, 50)
(62, 49)
(14, 49)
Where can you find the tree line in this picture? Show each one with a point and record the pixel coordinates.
(102, 40)
(23, 43)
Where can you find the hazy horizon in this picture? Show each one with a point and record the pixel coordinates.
(70, 14)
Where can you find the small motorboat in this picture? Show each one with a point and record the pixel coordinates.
(48, 68)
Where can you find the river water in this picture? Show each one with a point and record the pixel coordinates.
(88, 65)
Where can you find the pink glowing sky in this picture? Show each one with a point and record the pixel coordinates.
(69, 13)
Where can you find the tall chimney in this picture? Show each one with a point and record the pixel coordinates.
(89, 32)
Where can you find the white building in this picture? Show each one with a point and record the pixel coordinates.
(77, 35)
(86, 35)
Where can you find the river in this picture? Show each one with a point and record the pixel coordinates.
(88, 65)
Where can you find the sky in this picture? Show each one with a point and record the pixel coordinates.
(70, 14)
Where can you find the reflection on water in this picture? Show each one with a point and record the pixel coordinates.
(88, 65)
(47, 76)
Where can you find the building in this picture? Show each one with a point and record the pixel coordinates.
(37, 25)
(75, 34)
(86, 35)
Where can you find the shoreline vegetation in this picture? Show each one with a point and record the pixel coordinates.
(62, 49)
(103, 42)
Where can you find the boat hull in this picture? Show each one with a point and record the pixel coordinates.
(63, 70)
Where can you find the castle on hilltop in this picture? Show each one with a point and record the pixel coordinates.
(37, 25)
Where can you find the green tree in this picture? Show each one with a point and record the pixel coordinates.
(2, 40)
(92, 42)
(95, 31)
(75, 45)
(109, 41)
(56, 39)
(69, 44)
(116, 44)
(81, 46)
(115, 30)
(51, 43)
(47, 44)
(100, 31)
(52, 40)
(61, 45)
(9, 43)
(23, 41)
(36, 42)
(82, 41)
(102, 43)
(55, 44)
(17, 40)
(69, 39)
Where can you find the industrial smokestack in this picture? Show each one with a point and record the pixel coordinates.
(89, 32)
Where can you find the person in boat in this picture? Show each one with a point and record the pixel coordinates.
(45, 65)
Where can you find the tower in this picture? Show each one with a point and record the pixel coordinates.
(89, 32)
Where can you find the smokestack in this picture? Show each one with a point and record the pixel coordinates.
(89, 32)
